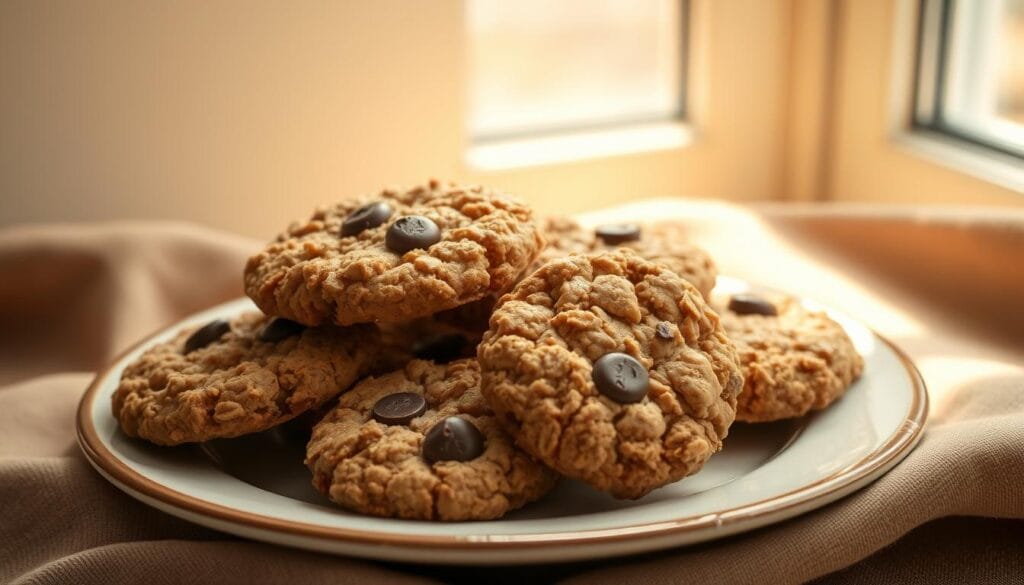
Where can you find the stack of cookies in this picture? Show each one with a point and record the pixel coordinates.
(454, 356)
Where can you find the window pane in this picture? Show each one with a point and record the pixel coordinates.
(1010, 96)
(539, 66)
(983, 94)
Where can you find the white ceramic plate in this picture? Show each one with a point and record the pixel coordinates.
(257, 486)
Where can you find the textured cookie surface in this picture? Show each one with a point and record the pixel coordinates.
(538, 363)
(663, 242)
(312, 273)
(793, 362)
(379, 469)
(237, 384)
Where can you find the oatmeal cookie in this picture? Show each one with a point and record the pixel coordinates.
(662, 242)
(227, 379)
(422, 443)
(613, 370)
(394, 257)
(794, 360)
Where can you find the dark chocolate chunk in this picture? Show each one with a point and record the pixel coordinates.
(453, 439)
(664, 330)
(399, 408)
(412, 232)
(364, 218)
(618, 233)
(620, 377)
(280, 328)
(206, 335)
(441, 348)
(748, 304)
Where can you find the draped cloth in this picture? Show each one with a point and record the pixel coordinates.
(947, 285)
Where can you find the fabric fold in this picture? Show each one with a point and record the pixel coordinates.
(943, 287)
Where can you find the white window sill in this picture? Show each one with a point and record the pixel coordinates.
(576, 146)
(1001, 169)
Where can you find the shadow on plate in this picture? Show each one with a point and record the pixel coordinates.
(273, 461)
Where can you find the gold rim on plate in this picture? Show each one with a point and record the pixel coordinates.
(886, 455)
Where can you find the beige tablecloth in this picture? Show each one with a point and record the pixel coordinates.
(945, 284)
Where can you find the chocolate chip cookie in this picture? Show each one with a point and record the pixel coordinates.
(611, 369)
(394, 257)
(230, 378)
(664, 242)
(794, 360)
(422, 443)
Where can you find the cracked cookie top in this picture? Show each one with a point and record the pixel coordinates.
(399, 255)
(794, 360)
(662, 242)
(611, 369)
(421, 443)
(230, 378)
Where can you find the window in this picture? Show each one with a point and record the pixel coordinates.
(551, 69)
(970, 72)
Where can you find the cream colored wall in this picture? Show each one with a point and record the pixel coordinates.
(244, 114)
(234, 114)
(809, 94)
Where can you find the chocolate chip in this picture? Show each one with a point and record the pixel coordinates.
(441, 348)
(280, 328)
(412, 232)
(368, 216)
(619, 233)
(620, 377)
(664, 330)
(206, 335)
(399, 408)
(748, 304)
(453, 439)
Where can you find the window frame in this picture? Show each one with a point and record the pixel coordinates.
(577, 142)
(930, 77)
(678, 115)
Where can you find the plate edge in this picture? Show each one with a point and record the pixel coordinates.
(781, 506)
